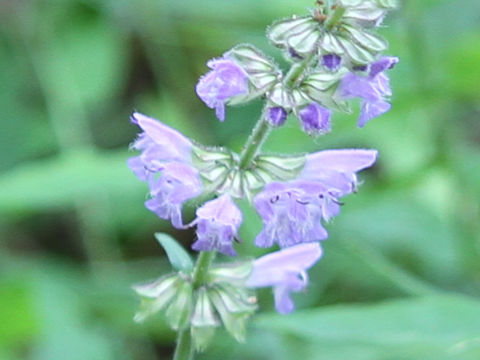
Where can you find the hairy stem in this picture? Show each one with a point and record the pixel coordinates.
(200, 273)
(295, 73)
(184, 349)
(334, 17)
(254, 143)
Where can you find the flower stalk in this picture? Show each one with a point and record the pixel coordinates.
(184, 348)
(295, 73)
(200, 272)
(254, 143)
(334, 17)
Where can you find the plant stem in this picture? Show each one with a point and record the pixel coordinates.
(200, 273)
(295, 72)
(184, 349)
(254, 143)
(334, 17)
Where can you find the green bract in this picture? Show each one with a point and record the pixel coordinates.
(221, 298)
(220, 170)
(262, 72)
(328, 31)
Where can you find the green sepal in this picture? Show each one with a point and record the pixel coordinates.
(353, 3)
(243, 183)
(262, 71)
(330, 44)
(280, 168)
(180, 310)
(203, 313)
(177, 255)
(304, 43)
(233, 184)
(326, 98)
(203, 156)
(213, 163)
(367, 40)
(232, 273)
(321, 81)
(389, 4)
(366, 12)
(155, 296)
(202, 337)
(281, 31)
(357, 53)
(289, 99)
(234, 308)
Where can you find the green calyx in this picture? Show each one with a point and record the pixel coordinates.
(199, 299)
(222, 171)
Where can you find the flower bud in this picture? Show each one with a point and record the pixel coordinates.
(315, 119)
(276, 116)
(331, 61)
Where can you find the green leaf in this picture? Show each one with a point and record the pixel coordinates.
(62, 180)
(177, 255)
(440, 327)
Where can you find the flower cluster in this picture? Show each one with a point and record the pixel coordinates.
(334, 56)
(343, 57)
(292, 211)
(165, 164)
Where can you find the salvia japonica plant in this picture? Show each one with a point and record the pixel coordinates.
(334, 56)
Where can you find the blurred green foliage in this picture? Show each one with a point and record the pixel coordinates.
(74, 234)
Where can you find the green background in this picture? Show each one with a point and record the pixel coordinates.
(400, 278)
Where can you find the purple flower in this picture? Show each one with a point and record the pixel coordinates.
(217, 225)
(315, 119)
(277, 116)
(165, 163)
(159, 144)
(372, 88)
(224, 81)
(177, 183)
(337, 169)
(285, 271)
(292, 212)
(331, 61)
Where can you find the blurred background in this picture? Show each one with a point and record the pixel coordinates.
(400, 278)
